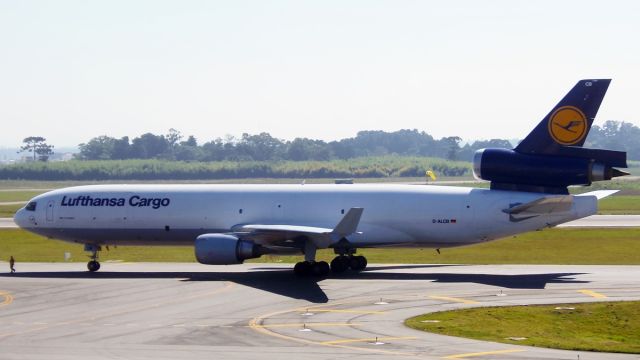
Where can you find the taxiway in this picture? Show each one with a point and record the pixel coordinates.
(263, 311)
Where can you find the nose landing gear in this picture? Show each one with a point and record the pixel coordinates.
(93, 265)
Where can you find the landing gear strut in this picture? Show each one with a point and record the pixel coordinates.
(311, 267)
(93, 265)
(347, 259)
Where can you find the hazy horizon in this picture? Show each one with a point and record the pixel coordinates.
(74, 70)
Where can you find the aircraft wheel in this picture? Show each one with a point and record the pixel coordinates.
(357, 263)
(362, 262)
(93, 266)
(320, 268)
(339, 264)
(302, 268)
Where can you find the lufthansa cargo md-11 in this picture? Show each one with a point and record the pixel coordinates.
(228, 224)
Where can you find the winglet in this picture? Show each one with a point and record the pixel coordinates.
(349, 223)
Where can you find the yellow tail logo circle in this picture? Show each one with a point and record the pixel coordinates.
(568, 125)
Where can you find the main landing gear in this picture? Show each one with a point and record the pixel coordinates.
(338, 265)
(342, 263)
(345, 260)
(311, 268)
(93, 265)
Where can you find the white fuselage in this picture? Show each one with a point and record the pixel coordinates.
(394, 215)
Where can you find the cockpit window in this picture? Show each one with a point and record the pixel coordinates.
(31, 206)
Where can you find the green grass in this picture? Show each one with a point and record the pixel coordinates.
(620, 205)
(28, 247)
(626, 185)
(18, 195)
(602, 326)
(553, 246)
(7, 211)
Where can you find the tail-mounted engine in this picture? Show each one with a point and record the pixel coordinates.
(512, 170)
(551, 157)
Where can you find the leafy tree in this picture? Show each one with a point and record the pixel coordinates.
(121, 149)
(453, 146)
(98, 148)
(616, 135)
(38, 146)
(467, 151)
(302, 149)
(149, 146)
(191, 141)
(258, 147)
(173, 137)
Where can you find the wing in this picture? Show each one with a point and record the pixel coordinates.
(289, 235)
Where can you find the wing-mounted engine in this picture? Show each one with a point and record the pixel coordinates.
(551, 157)
(225, 249)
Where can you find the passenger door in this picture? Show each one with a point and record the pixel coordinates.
(50, 206)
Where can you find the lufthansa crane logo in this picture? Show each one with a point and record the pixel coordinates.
(567, 125)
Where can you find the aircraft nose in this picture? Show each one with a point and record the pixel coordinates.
(22, 219)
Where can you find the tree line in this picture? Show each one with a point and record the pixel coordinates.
(612, 135)
(264, 147)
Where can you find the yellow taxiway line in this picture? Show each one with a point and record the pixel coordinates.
(256, 325)
(345, 311)
(593, 294)
(368, 340)
(120, 311)
(458, 300)
(496, 352)
(300, 325)
(8, 298)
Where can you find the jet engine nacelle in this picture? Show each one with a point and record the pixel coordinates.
(224, 249)
(508, 167)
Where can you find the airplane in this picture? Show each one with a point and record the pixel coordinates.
(228, 224)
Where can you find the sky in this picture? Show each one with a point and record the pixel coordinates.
(74, 70)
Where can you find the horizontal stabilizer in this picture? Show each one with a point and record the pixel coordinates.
(600, 194)
(543, 206)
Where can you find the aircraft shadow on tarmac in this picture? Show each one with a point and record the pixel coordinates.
(284, 282)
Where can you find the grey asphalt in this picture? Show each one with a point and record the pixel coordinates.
(591, 221)
(263, 311)
(7, 223)
(605, 221)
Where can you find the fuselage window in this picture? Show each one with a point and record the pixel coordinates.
(31, 206)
